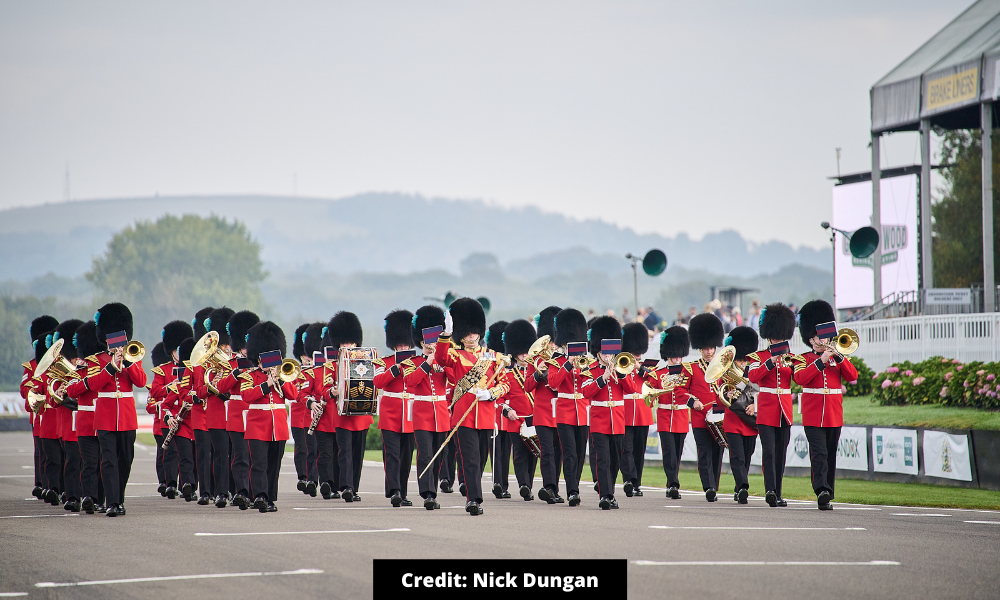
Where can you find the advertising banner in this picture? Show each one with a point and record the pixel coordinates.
(654, 452)
(947, 455)
(797, 454)
(852, 450)
(895, 450)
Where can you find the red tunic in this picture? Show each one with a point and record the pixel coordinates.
(267, 418)
(214, 407)
(457, 363)
(697, 388)
(48, 419)
(607, 402)
(331, 420)
(572, 407)
(236, 408)
(545, 397)
(672, 413)
(637, 413)
(774, 400)
(517, 398)
(115, 407)
(173, 403)
(431, 394)
(157, 393)
(395, 408)
(85, 400)
(822, 393)
(301, 415)
(27, 385)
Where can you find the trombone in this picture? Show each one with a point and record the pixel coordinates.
(289, 370)
(846, 343)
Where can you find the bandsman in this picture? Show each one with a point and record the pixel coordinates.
(706, 333)
(91, 484)
(638, 416)
(301, 419)
(500, 447)
(39, 326)
(395, 408)
(741, 430)
(544, 413)
(605, 388)
(672, 413)
(518, 405)
(179, 406)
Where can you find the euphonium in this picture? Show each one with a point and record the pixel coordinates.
(135, 351)
(289, 370)
(207, 353)
(58, 370)
(721, 369)
(539, 351)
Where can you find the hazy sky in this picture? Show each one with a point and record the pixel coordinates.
(667, 117)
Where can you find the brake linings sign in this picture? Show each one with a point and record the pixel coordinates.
(852, 209)
(951, 88)
(894, 450)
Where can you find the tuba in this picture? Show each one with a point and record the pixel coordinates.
(207, 353)
(59, 371)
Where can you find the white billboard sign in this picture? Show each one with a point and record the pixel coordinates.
(895, 450)
(852, 208)
(947, 455)
(852, 449)
(797, 454)
(948, 295)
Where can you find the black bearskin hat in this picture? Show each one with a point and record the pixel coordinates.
(468, 317)
(604, 328)
(42, 324)
(397, 329)
(518, 337)
(777, 322)
(744, 339)
(265, 337)
(238, 326)
(159, 355)
(198, 322)
(494, 336)
(298, 345)
(312, 340)
(85, 340)
(173, 334)
(674, 343)
(427, 316)
(344, 328)
(570, 326)
(544, 321)
(217, 320)
(184, 350)
(635, 339)
(41, 345)
(812, 314)
(65, 333)
(112, 318)
(705, 331)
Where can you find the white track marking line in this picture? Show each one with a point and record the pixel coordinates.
(985, 522)
(736, 507)
(761, 563)
(27, 467)
(305, 532)
(12, 594)
(49, 584)
(39, 516)
(921, 515)
(16, 476)
(766, 528)
(367, 507)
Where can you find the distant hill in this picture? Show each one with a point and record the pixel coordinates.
(384, 233)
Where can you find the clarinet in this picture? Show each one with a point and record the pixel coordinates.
(175, 424)
(317, 415)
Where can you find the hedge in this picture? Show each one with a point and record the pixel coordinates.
(939, 380)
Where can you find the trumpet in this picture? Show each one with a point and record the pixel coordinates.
(846, 342)
(289, 370)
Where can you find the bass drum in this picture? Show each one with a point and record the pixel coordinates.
(355, 375)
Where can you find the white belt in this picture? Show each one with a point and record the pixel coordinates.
(776, 391)
(714, 417)
(825, 392)
(665, 406)
(402, 395)
(271, 406)
(235, 397)
(609, 403)
(428, 398)
(90, 408)
(576, 396)
(116, 395)
(632, 396)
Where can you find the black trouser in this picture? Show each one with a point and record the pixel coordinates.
(90, 468)
(170, 464)
(741, 448)
(397, 457)
(450, 456)
(265, 464)
(239, 464)
(573, 440)
(329, 460)
(71, 470)
(524, 462)
(709, 458)
(672, 446)
(774, 445)
(501, 458)
(117, 452)
(592, 459)
(161, 474)
(551, 459)
(634, 453)
(220, 461)
(351, 457)
(608, 451)
(203, 456)
(301, 454)
(427, 443)
(39, 461)
(185, 460)
(52, 467)
(823, 457)
(312, 458)
(473, 448)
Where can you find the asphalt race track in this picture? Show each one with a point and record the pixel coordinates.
(684, 548)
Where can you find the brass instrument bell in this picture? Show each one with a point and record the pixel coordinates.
(624, 363)
(722, 368)
(539, 351)
(846, 342)
(289, 370)
(58, 370)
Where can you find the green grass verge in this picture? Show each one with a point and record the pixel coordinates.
(862, 411)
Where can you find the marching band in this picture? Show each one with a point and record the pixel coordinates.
(225, 400)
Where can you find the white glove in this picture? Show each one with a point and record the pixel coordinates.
(448, 322)
(483, 395)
